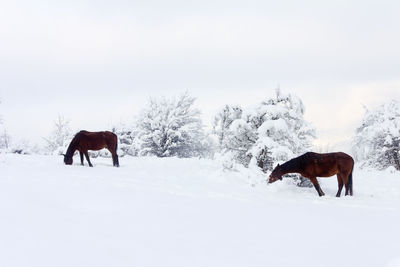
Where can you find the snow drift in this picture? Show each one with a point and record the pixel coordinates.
(189, 212)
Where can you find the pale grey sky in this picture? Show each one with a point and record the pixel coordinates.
(97, 62)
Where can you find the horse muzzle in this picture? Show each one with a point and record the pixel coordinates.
(273, 179)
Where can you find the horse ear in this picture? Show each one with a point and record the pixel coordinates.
(278, 165)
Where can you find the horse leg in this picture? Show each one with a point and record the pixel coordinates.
(346, 185)
(349, 187)
(114, 158)
(340, 185)
(87, 158)
(350, 182)
(81, 154)
(317, 187)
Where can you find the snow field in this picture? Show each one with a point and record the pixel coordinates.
(189, 212)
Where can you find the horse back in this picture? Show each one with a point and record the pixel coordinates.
(95, 140)
(327, 164)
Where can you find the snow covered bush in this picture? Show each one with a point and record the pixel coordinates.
(377, 139)
(126, 137)
(274, 130)
(4, 137)
(282, 133)
(234, 134)
(171, 127)
(5, 140)
(223, 121)
(60, 137)
(24, 147)
(1, 119)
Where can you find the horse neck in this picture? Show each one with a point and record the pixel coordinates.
(292, 166)
(71, 149)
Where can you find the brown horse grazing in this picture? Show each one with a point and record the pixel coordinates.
(312, 165)
(84, 141)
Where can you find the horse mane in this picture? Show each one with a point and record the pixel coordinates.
(73, 145)
(296, 164)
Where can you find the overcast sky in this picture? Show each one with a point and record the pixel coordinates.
(97, 62)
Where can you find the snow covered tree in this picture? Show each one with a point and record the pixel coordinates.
(126, 137)
(272, 131)
(234, 134)
(60, 136)
(238, 139)
(24, 147)
(1, 119)
(282, 133)
(171, 127)
(377, 139)
(5, 140)
(223, 121)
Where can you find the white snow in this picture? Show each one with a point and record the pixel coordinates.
(189, 212)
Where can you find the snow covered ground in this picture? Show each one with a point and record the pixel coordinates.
(189, 212)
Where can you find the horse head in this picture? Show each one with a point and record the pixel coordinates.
(276, 174)
(67, 159)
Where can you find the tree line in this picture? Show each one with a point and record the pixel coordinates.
(271, 131)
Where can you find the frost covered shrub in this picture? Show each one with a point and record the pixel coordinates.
(171, 127)
(377, 139)
(234, 135)
(5, 140)
(274, 130)
(237, 140)
(60, 137)
(223, 121)
(23, 147)
(281, 128)
(126, 137)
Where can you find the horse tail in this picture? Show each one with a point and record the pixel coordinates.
(116, 143)
(350, 181)
(115, 154)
